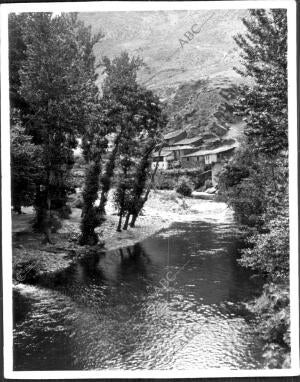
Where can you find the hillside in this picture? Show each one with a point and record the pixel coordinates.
(187, 75)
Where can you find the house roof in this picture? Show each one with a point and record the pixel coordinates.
(187, 141)
(162, 153)
(174, 134)
(211, 140)
(212, 151)
(183, 147)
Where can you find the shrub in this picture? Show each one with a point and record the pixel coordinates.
(272, 308)
(269, 252)
(184, 186)
(164, 182)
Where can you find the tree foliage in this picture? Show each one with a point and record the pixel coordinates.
(17, 55)
(94, 144)
(255, 182)
(25, 166)
(184, 186)
(119, 109)
(264, 60)
(57, 81)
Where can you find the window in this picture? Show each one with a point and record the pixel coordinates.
(207, 159)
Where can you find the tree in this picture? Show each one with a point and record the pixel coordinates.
(153, 121)
(255, 183)
(135, 202)
(143, 199)
(263, 105)
(17, 54)
(118, 107)
(94, 145)
(128, 152)
(139, 118)
(264, 60)
(58, 83)
(25, 165)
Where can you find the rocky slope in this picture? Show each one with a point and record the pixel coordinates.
(187, 70)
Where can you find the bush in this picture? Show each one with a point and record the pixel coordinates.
(184, 187)
(164, 182)
(269, 252)
(273, 310)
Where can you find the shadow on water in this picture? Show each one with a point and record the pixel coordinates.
(132, 308)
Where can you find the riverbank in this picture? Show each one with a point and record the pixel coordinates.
(31, 257)
(173, 302)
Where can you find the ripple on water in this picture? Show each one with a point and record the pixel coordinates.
(115, 313)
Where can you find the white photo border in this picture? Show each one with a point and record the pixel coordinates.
(127, 6)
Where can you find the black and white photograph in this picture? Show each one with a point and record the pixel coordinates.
(149, 189)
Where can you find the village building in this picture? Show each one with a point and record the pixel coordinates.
(163, 158)
(183, 147)
(174, 136)
(214, 159)
(207, 152)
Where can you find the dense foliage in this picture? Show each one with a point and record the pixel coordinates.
(264, 59)
(25, 166)
(53, 83)
(255, 182)
(53, 90)
(184, 186)
(119, 108)
(137, 144)
(132, 117)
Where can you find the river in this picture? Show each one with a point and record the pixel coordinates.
(174, 301)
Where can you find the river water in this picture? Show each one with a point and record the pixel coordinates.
(173, 301)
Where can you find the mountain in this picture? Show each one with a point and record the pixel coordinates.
(187, 70)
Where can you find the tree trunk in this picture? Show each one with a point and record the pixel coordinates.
(47, 222)
(39, 210)
(120, 221)
(88, 237)
(133, 219)
(122, 201)
(47, 233)
(103, 200)
(108, 174)
(90, 217)
(126, 222)
(140, 181)
(143, 200)
(121, 253)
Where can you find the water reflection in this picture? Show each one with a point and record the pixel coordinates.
(173, 301)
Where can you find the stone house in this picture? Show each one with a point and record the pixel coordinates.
(174, 136)
(184, 146)
(213, 158)
(163, 158)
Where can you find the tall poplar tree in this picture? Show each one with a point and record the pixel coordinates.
(264, 61)
(152, 121)
(119, 104)
(263, 105)
(256, 181)
(57, 81)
